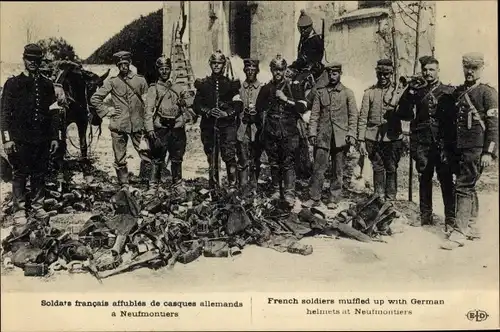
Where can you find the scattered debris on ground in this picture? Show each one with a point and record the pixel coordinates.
(127, 229)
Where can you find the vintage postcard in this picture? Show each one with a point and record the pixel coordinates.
(249, 165)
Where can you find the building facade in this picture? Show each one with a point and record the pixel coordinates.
(356, 33)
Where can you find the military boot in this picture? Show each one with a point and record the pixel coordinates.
(459, 234)
(154, 180)
(391, 185)
(231, 176)
(122, 175)
(474, 233)
(145, 171)
(379, 183)
(177, 185)
(19, 198)
(38, 197)
(289, 186)
(276, 183)
(243, 177)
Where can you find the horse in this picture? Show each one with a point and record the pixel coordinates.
(78, 86)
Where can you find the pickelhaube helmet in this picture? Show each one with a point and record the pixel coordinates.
(163, 61)
(278, 63)
(217, 56)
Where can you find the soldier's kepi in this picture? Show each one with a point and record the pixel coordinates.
(428, 149)
(475, 131)
(29, 131)
(164, 120)
(279, 105)
(218, 102)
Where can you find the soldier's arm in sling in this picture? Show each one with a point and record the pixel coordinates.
(6, 109)
(363, 115)
(97, 99)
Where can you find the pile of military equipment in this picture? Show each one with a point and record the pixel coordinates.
(128, 230)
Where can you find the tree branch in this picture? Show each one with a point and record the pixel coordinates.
(404, 11)
(409, 26)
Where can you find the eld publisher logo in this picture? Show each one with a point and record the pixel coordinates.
(477, 315)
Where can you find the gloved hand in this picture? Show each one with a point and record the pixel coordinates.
(312, 140)
(9, 147)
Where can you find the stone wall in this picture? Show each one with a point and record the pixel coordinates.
(355, 37)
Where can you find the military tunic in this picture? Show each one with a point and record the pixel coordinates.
(381, 131)
(310, 53)
(27, 121)
(127, 116)
(218, 92)
(165, 106)
(334, 116)
(427, 147)
(280, 133)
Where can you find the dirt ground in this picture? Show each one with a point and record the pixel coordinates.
(409, 260)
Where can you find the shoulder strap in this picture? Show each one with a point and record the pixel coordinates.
(136, 93)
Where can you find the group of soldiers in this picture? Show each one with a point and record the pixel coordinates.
(453, 129)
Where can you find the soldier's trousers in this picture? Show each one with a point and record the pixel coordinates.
(469, 171)
(281, 152)
(385, 157)
(338, 176)
(227, 138)
(427, 159)
(249, 153)
(120, 141)
(29, 159)
(171, 140)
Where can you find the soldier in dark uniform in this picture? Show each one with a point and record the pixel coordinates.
(310, 50)
(474, 131)
(332, 131)
(218, 102)
(28, 130)
(380, 132)
(249, 147)
(279, 105)
(427, 147)
(164, 120)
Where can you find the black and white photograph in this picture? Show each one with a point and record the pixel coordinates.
(249, 165)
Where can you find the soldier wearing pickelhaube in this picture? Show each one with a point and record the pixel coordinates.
(332, 131)
(165, 120)
(380, 132)
(472, 126)
(279, 105)
(29, 132)
(249, 146)
(427, 146)
(311, 47)
(218, 103)
(127, 115)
